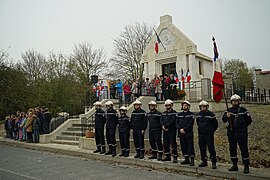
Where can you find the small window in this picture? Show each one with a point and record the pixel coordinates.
(200, 68)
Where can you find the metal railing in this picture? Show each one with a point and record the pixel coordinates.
(57, 121)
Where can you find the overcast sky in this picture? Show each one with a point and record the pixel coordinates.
(241, 27)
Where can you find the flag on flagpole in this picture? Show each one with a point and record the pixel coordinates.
(176, 77)
(218, 83)
(183, 79)
(188, 76)
(157, 43)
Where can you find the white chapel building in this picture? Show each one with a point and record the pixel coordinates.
(181, 52)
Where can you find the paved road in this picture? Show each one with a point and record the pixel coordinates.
(25, 164)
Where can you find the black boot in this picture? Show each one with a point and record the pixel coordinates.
(110, 151)
(159, 158)
(233, 168)
(123, 153)
(246, 169)
(142, 154)
(175, 160)
(203, 164)
(103, 150)
(192, 161)
(138, 154)
(154, 155)
(167, 158)
(126, 153)
(186, 161)
(214, 165)
(113, 151)
(97, 150)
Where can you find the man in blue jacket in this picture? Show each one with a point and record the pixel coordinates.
(119, 90)
(207, 125)
(238, 119)
(169, 131)
(184, 126)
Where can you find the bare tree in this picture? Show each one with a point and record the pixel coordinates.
(34, 65)
(57, 65)
(86, 61)
(128, 49)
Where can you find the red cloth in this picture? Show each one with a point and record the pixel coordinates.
(156, 47)
(127, 89)
(218, 85)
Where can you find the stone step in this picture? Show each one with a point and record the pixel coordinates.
(80, 125)
(73, 133)
(58, 141)
(69, 138)
(75, 128)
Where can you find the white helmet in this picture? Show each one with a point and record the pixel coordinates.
(186, 102)
(152, 103)
(168, 102)
(235, 97)
(97, 103)
(203, 103)
(123, 108)
(137, 102)
(108, 103)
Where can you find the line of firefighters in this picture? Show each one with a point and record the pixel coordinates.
(167, 126)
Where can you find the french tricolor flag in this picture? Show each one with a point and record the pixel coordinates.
(188, 76)
(182, 82)
(218, 83)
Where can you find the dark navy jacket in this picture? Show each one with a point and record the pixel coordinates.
(124, 123)
(168, 120)
(240, 120)
(185, 120)
(207, 123)
(112, 119)
(100, 119)
(154, 120)
(138, 119)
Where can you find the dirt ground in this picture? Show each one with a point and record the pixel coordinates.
(259, 138)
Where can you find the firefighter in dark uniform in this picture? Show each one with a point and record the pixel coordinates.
(167, 122)
(207, 125)
(155, 131)
(124, 128)
(112, 121)
(184, 125)
(100, 121)
(138, 123)
(238, 119)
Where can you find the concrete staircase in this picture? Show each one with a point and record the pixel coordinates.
(71, 135)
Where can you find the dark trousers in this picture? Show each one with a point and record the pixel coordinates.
(138, 138)
(169, 138)
(166, 94)
(119, 95)
(187, 144)
(110, 136)
(127, 97)
(124, 140)
(36, 135)
(29, 136)
(243, 144)
(99, 137)
(155, 140)
(207, 141)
